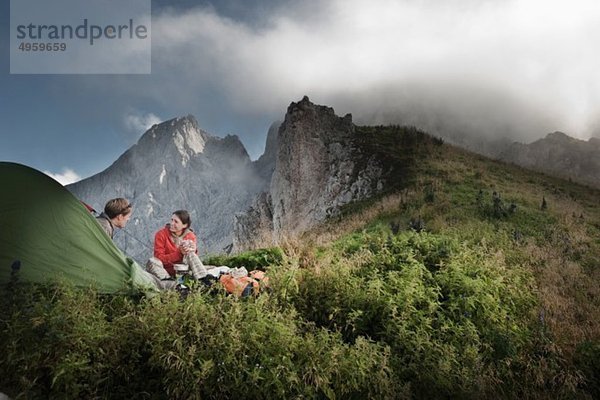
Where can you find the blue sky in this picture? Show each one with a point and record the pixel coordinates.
(499, 67)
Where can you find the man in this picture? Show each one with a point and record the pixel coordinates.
(116, 215)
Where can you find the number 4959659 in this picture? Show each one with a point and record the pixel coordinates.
(26, 46)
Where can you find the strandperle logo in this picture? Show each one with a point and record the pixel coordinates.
(86, 31)
(80, 37)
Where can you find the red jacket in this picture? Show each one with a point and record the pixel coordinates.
(167, 251)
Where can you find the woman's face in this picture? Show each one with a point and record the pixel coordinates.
(176, 225)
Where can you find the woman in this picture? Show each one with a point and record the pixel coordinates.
(175, 242)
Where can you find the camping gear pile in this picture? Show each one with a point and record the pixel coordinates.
(235, 281)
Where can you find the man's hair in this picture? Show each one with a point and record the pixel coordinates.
(184, 216)
(118, 206)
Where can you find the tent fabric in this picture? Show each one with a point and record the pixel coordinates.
(54, 237)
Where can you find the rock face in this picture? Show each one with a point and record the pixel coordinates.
(253, 228)
(312, 166)
(318, 169)
(175, 165)
(265, 165)
(561, 155)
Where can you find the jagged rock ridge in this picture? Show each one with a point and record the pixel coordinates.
(560, 155)
(319, 168)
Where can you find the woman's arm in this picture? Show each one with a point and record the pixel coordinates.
(191, 237)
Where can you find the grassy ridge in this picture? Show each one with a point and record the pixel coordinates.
(451, 192)
(439, 288)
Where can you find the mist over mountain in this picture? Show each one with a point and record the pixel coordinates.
(486, 122)
(478, 119)
(560, 155)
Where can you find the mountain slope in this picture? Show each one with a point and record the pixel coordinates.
(463, 248)
(462, 277)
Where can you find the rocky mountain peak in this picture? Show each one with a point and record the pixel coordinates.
(179, 136)
(561, 155)
(305, 110)
(559, 137)
(318, 169)
(234, 144)
(176, 165)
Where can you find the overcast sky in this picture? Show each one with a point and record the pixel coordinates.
(519, 69)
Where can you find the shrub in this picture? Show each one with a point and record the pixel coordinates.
(54, 341)
(450, 313)
(256, 259)
(61, 342)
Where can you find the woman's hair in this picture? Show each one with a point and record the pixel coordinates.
(116, 207)
(184, 216)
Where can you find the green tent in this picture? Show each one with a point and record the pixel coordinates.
(51, 235)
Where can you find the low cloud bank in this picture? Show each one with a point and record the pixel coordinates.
(519, 67)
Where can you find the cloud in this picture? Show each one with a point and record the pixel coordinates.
(461, 58)
(139, 123)
(66, 177)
